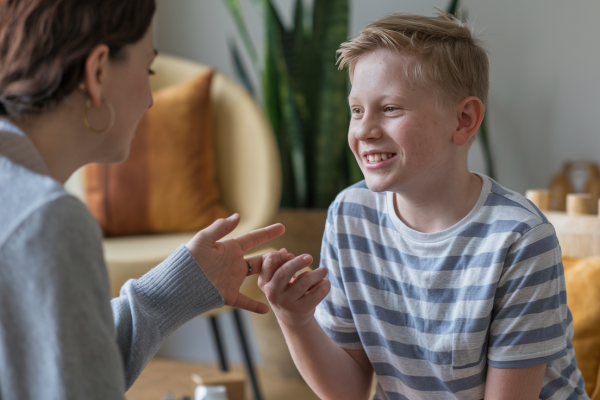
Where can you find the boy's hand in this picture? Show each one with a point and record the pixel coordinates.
(293, 299)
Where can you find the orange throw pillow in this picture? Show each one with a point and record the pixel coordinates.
(582, 277)
(168, 182)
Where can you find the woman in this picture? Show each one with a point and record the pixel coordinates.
(73, 87)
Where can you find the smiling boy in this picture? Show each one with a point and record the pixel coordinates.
(440, 281)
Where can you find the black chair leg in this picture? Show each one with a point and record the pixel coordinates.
(245, 348)
(217, 334)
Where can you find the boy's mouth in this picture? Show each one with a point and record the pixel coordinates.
(378, 157)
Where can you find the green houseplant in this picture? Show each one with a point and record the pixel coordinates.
(305, 97)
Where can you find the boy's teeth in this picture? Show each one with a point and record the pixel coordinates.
(373, 158)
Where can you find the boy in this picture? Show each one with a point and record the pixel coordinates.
(441, 282)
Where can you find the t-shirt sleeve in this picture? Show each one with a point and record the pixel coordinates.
(530, 316)
(333, 313)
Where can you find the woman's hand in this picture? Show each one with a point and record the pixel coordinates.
(223, 261)
(293, 299)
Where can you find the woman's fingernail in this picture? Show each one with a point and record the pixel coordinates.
(234, 216)
(306, 257)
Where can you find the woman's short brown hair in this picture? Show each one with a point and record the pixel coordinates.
(449, 59)
(44, 45)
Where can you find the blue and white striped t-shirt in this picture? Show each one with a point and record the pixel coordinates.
(433, 310)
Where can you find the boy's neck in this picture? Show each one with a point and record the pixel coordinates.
(439, 204)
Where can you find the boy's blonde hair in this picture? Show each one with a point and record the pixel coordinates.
(449, 59)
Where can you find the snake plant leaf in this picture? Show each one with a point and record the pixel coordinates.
(295, 138)
(240, 69)
(305, 97)
(272, 106)
(235, 9)
(299, 25)
(291, 129)
(453, 7)
(331, 29)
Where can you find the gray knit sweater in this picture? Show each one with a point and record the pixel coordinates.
(61, 337)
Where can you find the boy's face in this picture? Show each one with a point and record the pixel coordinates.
(401, 140)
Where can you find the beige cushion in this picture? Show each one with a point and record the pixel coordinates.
(582, 277)
(167, 184)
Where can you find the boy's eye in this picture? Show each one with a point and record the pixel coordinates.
(389, 108)
(355, 110)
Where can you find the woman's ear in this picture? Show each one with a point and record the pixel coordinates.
(470, 113)
(96, 70)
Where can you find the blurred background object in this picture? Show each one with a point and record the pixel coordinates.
(304, 96)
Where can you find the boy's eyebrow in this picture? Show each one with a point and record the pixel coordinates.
(384, 97)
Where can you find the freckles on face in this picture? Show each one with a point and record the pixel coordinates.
(390, 115)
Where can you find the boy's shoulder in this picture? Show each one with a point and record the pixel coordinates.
(357, 195)
(503, 204)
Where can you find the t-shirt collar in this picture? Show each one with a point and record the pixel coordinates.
(446, 233)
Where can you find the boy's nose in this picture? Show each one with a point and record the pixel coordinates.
(368, 129)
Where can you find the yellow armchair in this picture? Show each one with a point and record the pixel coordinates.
(248, 171)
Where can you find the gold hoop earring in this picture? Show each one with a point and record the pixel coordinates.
(87, 106)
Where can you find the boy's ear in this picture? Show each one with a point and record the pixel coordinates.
(469, 113)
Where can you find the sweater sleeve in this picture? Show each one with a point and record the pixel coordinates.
(59, 336)
(150, 308)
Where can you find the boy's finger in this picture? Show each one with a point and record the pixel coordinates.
(246, 303)
(282, 276)
(305, 282)
(271, 262)
(252, 239)
(316, 294)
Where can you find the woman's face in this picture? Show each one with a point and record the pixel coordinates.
(128, 89)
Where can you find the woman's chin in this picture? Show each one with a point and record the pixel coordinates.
(115, 157)
(122, 156)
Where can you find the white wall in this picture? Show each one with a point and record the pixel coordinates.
(545, 70)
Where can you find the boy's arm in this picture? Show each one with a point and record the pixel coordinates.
(332, 372)
(514, 383)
